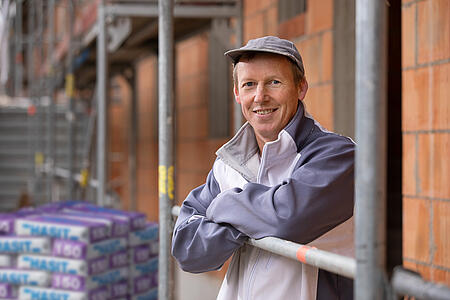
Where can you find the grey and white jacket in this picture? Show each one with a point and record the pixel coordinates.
(300, 189)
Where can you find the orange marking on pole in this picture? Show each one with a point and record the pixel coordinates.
(301, 253)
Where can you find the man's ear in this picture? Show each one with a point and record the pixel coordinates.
(236, 94)
(303, 89)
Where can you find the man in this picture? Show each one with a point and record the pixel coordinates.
(281, 175)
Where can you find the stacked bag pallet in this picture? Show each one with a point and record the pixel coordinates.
(77, 251)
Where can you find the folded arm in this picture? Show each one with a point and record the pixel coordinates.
(199, 244)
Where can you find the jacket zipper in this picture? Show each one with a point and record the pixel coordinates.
(252, 272)
(251, 279)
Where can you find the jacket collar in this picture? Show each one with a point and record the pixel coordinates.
(243, 146)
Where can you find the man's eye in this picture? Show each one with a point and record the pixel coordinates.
(275, 81)
(248, 84)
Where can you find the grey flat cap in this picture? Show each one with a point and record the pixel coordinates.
(269, 44)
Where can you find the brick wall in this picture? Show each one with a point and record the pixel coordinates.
(426, 137)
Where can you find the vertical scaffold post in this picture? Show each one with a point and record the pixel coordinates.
(133, 138)
(51, 106)
(370, 176)
(166, 145)
(18, 75)
(101, 102)
(237, 113)
(69, 95)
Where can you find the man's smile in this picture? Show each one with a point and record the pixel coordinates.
(264, 111)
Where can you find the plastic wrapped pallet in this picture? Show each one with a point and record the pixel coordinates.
(75, 250)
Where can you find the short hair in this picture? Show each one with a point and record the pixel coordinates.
(298, 75)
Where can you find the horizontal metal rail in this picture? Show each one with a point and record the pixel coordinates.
(181, 11)
(405, 282)
(64, 173)
(332, 262)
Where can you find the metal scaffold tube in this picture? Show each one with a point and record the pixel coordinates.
(166, 145)
(237, 114)
(101, 104)
(69, 95)
(51, 107)
(18, 78)
(370, 174)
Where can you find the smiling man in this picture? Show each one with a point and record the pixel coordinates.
(281, 175)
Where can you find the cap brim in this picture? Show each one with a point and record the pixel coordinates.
(236, 53)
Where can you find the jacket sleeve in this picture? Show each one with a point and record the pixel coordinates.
(316, 198)
(199, 244)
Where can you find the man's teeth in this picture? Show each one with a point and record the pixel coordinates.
(264, 111)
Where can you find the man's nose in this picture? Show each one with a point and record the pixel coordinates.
(260, 93)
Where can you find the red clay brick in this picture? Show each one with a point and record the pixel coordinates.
(192, 91)
(252, 7)
(254, 27)
(311, 51)
(192, 123)
(147, 154)
(433, 30)
(292, 28)
(424, 271)
(441, 233)
(187, 181)
(147, 193)
(425, 98)
(192, 56)
(327, 56)
(319, 15)
(434, 165)
(416, 236)
(319, 103)
(441, 276)
(271, 20)
(409, 164)
(195, 156)
(440, 94)
(416, 104)
(408, 36)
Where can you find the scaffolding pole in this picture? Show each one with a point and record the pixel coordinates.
(237, 112)
(133, 138)
(405, 282)
(18, 74)
(370, 165)
(69, 94)
(30, 86)
(166, 145)
(101, 102)
(50, 161)
(39, 155)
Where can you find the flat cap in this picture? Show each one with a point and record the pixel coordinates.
(269, 44)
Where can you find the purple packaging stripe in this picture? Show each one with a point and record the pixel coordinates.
(121, 225)
(119, 259)
(83, 218)
(142, 284)
(138, 220)
(101, 293)
(119, 289)
(7, 224)
(141, 253)
(69, 282)
(69, 249)
(98, 265)
(6, 291)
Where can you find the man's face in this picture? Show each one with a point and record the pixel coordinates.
(267, 94)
